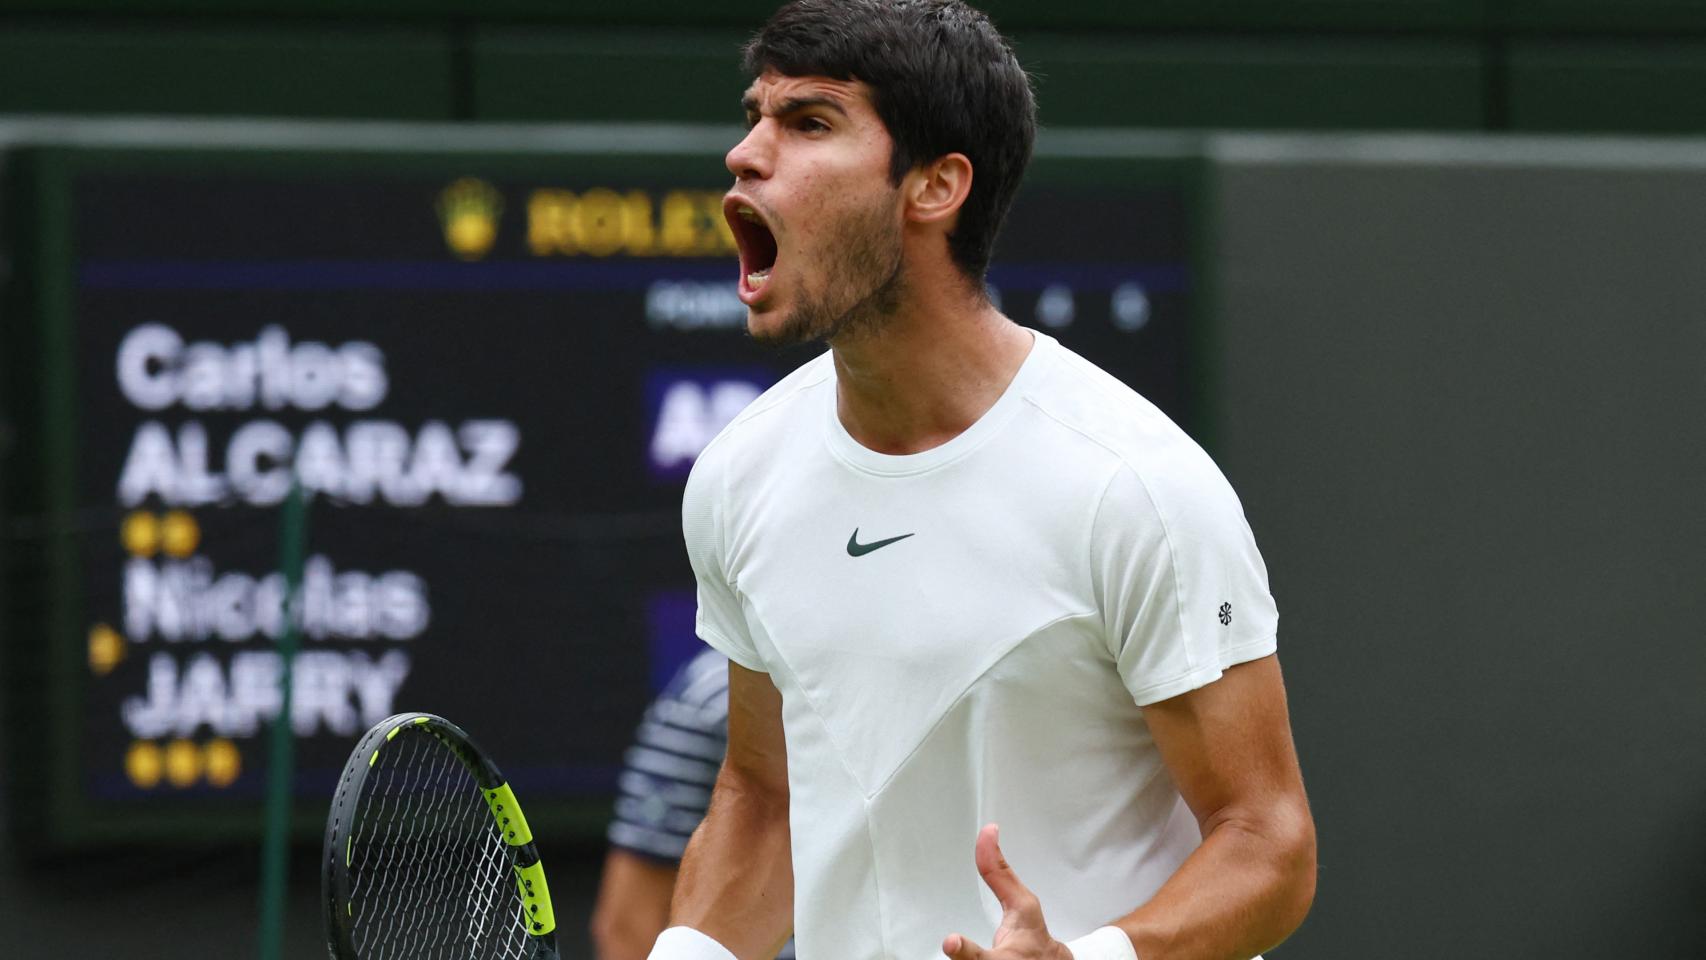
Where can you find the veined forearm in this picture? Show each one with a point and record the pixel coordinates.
(737, 877)
(1243, 891)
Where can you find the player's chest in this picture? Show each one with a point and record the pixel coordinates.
(927, 575)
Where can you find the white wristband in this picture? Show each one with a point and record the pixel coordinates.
(686, 943)
(1103, 943)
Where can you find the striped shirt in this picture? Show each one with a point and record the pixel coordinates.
(668, 773)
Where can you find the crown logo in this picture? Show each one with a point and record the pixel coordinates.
(468, 212)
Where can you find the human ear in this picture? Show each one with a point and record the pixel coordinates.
(936, 191)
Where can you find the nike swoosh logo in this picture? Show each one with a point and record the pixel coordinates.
(857, 549)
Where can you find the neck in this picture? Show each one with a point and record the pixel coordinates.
(929, 371)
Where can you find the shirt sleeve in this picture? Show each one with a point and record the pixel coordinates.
(1181, 587)
(720, 621)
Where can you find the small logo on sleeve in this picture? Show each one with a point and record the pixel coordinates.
(1226, 614)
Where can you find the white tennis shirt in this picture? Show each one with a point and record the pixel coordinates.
(966, 635)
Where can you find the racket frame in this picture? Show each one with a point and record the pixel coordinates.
(500, 800)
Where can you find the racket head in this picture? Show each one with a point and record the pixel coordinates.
(427, 853)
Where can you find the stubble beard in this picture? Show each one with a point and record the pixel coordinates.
(862, 284)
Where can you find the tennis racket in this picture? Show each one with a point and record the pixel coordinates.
(428, 856)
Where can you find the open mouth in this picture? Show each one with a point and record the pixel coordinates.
(756, 242)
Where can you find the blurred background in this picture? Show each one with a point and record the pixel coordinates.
(1427, 278)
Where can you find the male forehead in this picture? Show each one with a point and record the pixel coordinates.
(773, 92)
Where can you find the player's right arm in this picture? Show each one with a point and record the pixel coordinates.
(737, 877)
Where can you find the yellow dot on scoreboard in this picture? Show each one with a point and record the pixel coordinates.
(179, 533)
(223, 762)
(106, 648)
(142, 764)
(183, 763)
(140, 533)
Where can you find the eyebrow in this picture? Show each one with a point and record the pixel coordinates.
(794, 105)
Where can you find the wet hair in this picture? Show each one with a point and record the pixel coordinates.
(943, 80)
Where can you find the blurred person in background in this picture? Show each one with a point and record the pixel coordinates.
(664, 789)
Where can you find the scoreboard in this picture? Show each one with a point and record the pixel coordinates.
(489, 374)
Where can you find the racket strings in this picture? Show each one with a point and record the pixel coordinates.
(430, 874)
(458, 871)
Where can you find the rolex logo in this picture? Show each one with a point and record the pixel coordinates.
(468, 212)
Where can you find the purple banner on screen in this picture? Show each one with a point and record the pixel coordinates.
(669, 623)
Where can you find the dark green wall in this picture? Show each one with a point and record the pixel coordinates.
(226, 69)
(1461, 399)
(1543, 65)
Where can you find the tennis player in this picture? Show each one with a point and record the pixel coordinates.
(963, 577)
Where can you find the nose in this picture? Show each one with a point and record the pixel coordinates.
(751, 158)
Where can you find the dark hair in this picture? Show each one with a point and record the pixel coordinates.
(943, 80)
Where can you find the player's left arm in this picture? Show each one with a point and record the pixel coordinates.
(1246, 888)
(1228, 747)
(1184, 588)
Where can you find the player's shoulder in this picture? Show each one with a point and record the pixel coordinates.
(1091, 409)
(775, 412)
(754, 435)
(1083, 399)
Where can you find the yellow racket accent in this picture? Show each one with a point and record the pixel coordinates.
(535, 899)
(507, 814)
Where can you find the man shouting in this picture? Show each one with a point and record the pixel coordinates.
(963, 576)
